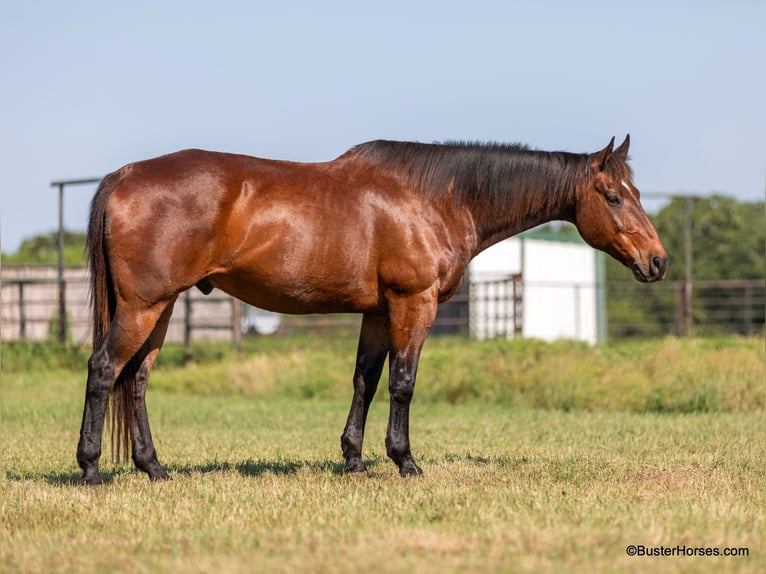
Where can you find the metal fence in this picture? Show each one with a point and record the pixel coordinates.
(715, 307)
(29, 309)
(29, 300)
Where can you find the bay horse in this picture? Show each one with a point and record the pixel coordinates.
(386, 230)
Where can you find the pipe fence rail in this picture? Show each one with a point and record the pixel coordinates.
(29, 310)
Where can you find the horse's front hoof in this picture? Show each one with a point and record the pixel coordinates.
(409, 468)
(155, 472)
(159, 476)
(355, 467)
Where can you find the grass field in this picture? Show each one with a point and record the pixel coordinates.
(537, 458)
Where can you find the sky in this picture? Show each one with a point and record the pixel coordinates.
(89, 86)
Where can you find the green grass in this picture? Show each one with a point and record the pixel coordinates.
(666, 375)
(512, 483)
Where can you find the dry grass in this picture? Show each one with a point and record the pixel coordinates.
(257, 486)
(538, 458)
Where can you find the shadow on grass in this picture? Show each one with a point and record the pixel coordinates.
(251, 468)
(255, 468)
(62, 478)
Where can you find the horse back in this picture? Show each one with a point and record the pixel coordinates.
(292, 237)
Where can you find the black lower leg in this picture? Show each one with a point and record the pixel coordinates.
(402, 386)
(371, 356)
(101, 378)
(144, 454)
(411, 317)
(353, 435)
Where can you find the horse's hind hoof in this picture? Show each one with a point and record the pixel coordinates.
(355, 468)
(86, 480)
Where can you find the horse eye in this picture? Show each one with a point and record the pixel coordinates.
(614, 199)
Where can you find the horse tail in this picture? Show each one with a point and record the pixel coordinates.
(103, 305)
(102, 299)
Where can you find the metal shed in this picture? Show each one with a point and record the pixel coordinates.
(562, 289)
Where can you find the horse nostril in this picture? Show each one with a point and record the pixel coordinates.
(659, 264)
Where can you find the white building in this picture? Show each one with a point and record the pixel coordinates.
(562, 289)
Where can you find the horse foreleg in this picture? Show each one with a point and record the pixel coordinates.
(411, 319)
(370, 357)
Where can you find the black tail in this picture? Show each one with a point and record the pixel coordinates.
(103, 304)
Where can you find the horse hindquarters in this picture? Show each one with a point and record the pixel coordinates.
(126, 339)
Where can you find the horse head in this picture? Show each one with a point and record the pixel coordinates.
(609, 215)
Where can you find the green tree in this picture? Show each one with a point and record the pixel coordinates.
(43, 250)
(728, 242)
(727, 238)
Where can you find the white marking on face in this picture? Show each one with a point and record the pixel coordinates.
(625, 184)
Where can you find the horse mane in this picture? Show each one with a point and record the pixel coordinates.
(490, 177)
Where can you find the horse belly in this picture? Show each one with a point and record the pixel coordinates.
(294, 253)
(286, 292)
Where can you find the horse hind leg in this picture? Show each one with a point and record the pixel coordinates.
(126, 336)
(101, 378)
(143, 451)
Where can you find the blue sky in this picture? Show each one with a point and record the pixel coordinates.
(89, 86)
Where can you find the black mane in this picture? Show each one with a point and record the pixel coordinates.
(486, 176)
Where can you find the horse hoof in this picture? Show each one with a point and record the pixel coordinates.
(409, 468)
(89, 481)
(355, 468)
(158, 475)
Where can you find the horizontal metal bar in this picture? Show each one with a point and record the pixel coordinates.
(83, 181)
(200, 326)
(30, 281)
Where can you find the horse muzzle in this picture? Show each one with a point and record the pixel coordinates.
(654, 271)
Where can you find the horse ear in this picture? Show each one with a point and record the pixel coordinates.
(603, 155)
(622, 151)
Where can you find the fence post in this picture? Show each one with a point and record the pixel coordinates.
(577, 317)
(680, 305)
(518, 305)
(748, 308)
(187, 325)
(688, 268)
(517, 284)
(62, 287)
(236, 323)
(22, 315)
(62, 296)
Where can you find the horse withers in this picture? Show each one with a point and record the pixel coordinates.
(386, 230)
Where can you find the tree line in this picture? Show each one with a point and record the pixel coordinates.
(43, 250)
(728, 242)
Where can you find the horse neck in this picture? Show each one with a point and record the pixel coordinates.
(542, 190)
